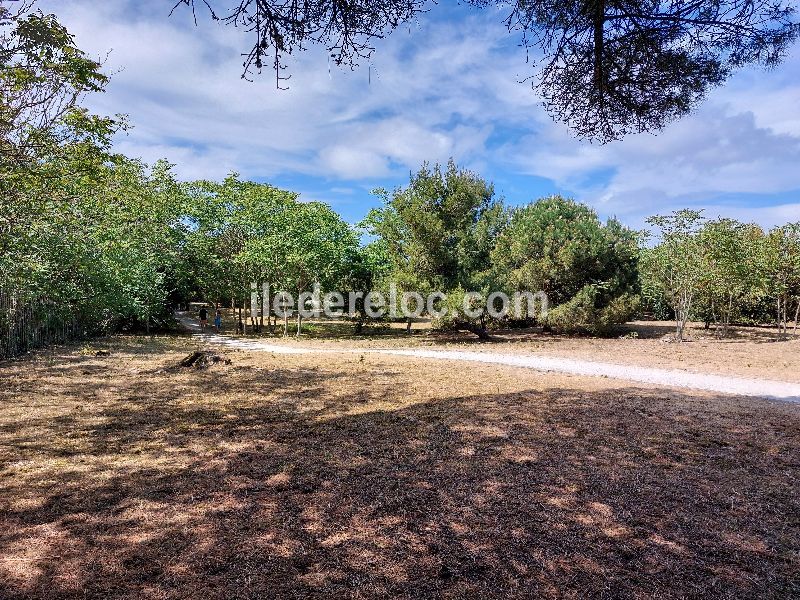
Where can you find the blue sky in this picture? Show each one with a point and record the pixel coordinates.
(446, 86)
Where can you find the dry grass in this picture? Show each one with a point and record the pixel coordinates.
(747, 352)
(372, 476)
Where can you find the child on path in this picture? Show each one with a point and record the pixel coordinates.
(218, 319)
(203, 314)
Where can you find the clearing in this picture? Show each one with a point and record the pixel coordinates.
(365, 475)
(725, 365)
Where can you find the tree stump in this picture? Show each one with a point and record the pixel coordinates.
(202, 359)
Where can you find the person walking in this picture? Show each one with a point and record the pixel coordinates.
(218, 319)
(203, 314)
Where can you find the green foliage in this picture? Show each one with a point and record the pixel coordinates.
(242, 232)
(42, 77)
(91, 241)
(586, 311)
(87, 237)
(722, 271)
(781, 268)
(560, 247)
(455, 313)
(674, 268)
(318, 245)
(730, 257)
(439, 231)
(237, 234)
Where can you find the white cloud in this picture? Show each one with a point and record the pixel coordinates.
(180, 86)
(352, 163)
(445, 88)
(721, 150)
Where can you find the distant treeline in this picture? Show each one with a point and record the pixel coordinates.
(121, 248)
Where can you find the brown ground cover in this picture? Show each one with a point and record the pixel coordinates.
(747, 351)
(366, 476)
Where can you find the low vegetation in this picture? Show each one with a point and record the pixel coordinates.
(375, 476)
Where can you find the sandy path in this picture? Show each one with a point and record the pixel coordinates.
(664, 377)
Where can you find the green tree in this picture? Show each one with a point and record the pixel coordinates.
(730, 269)
(587, 269)
(674, 267)
(367, 270)
(782, 272)
(438, 233)
(43, 75)
(318, 247)
(78, 241)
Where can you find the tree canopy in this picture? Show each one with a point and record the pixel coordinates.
(587, 269)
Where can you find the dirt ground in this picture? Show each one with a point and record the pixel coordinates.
(373, 476)
(746, 352)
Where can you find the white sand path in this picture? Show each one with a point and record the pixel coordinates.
(673, 378)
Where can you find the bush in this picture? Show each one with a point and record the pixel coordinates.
(456, 319)
(586, 312)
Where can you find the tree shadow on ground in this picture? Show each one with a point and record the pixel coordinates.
(248, 482)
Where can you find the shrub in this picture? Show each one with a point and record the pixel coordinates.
(587, 312)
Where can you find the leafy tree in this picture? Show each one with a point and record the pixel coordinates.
(236, 236)
(42, 77)
(730, 265)
(213, 240)
(368, 269)
(782, 272)
(675, 266)
(49, 144)
(609, 67)
(318, 245)
(438, 232)
(587, 269)
(242, 232)
(724, 271)
(58, 185)
(137, 230)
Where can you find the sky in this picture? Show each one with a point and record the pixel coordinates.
(450, 85)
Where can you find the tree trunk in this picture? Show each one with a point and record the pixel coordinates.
(682, 314)
(726, 323)
(796, 315)
(785, 316)
(472, 328)
(299, 323)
